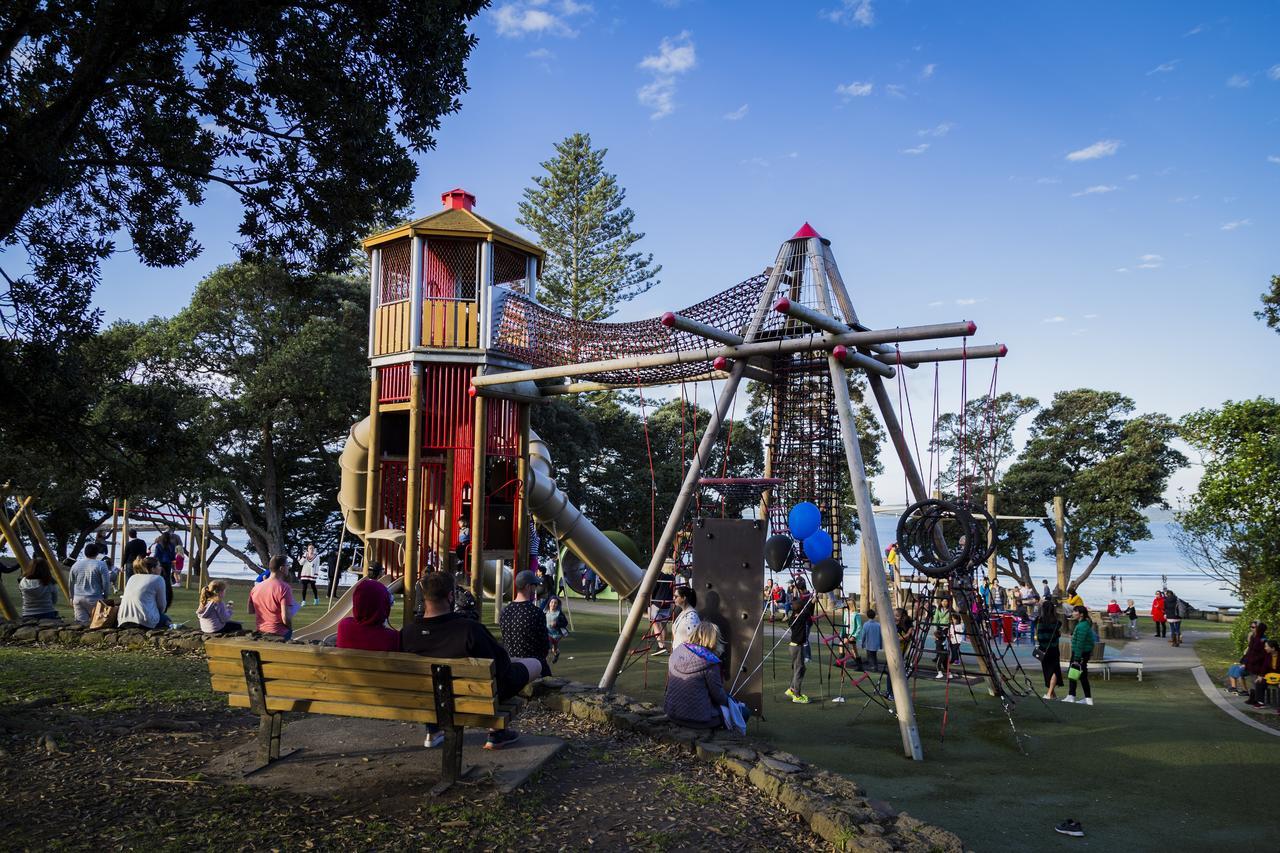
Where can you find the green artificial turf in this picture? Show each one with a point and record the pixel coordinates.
(1153, 766)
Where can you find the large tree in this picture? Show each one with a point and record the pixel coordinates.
(1108, 468)
(275, 361)
(1230, 526)
(576, 210)
(117, 116)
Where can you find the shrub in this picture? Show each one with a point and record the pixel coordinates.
(1263, 605)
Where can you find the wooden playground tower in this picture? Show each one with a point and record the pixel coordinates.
(429, 452)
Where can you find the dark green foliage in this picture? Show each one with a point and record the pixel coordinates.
(1270, 313)
(979, 447)
(117, 116)
(576, 210)
(1230, 526)
(1107, 467)
(1262, 605)
(274, 363)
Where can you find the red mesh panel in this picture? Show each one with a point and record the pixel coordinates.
(502, 428)
(448, 412)
(393, 383)
(395, 278)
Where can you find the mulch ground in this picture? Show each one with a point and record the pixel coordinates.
(74, 778)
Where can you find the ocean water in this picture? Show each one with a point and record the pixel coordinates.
(1154, 563)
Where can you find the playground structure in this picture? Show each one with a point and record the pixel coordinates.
(11, 535)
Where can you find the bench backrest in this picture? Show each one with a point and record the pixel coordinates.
(354, 683)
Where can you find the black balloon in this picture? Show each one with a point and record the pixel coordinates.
(827, 574)
(776, 550)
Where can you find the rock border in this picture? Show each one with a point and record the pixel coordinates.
(835, 807)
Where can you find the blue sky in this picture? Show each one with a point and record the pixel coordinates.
(1087, 181)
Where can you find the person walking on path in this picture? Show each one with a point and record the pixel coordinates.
(1173, 614)
(90, 583)
(524, 626)
(310, 571)
(800, 622)
(1157, 614)
(1047, 633)
(1081, 650)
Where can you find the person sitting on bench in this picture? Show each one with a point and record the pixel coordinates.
(366, 627)
(441, 633)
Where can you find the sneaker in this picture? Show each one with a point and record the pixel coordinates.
(939, 676)
(302, 603)
(789, 693)
(434, 740)
(1068, 699)
(1070, 827)
(839, 699)
(1048, 697)
(800, 698)
(1088, 700)
(501, 739)
(316, 602)
(662, 650)
(555, 656)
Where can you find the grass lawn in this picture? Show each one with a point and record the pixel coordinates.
(1153, 766)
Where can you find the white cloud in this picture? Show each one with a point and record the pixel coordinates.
(966, 301)
(1097, 189)
(1238, 81)
(1048, 180)
(1164, 67)
(215, 128)
(1101, 148)
(855, 89)
(1183, 199)
(675, 56)
(897, 90)
(927, 71)
(851, 12)
(540, 53)
(1274, 72)
(937, 130)
(1150, 262)
(738, 114)
(1238, 223)
(919, 149)
(1131, 177)
(937, 304)
(1196, 30)
(1122, 269)
(1272, 158)
(537, 17)
(1055, 319)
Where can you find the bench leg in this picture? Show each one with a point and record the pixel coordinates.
(269, 728)
(451, 756)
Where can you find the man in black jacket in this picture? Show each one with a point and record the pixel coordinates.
(800, 622)
(441, 633)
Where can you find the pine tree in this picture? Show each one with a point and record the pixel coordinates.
(577, 211)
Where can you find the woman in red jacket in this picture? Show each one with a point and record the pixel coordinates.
(1157, 614)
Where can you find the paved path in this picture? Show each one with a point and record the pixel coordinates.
(1215, 696)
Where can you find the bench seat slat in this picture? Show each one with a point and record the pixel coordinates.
(323, 675)
(345, 709)
(400, 662)
(366, 696)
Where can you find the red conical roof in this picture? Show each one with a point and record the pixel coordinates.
(806, 231)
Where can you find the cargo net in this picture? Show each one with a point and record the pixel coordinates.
(740, 490)
(542, 338)
(798, 283)
(805, 443)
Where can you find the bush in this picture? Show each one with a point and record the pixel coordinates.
(1263, 605)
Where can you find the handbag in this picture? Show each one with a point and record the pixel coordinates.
(1074, 672)
(104, 614)
(1039, 653)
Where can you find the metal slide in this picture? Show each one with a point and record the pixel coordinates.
(327, 624)
(551, 508)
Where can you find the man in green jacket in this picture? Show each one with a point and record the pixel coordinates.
(1081, 649)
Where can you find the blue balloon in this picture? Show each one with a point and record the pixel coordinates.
(803, 519)
(817, 547)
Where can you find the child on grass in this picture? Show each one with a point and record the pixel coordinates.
(557, 626)
(214, 611)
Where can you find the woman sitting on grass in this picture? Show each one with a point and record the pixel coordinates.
(143, 603)
(39, 592)
(214, 612)
(695, 688)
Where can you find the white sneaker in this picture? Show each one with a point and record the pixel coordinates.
(1048, 696)
(1088, 700)
(434, 740)
(938, 677)
(838, 699)
(1068, 699)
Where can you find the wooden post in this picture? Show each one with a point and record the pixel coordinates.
(124, 537)
(115, 519)
(413, 500)
(478, 438)
(522, 511)
(191, 550)
(1059, 541)
(991, 538)
(37, 536)
(204, 549)
(864, 581)
(373, 485)
(8, 529)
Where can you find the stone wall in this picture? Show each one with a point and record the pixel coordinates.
(835, 807)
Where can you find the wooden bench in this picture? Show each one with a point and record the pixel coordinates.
(272, 678)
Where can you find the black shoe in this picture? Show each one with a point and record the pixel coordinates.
(501, 739)
(1070, 827)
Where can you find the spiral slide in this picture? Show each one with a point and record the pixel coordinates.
(552, 509)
